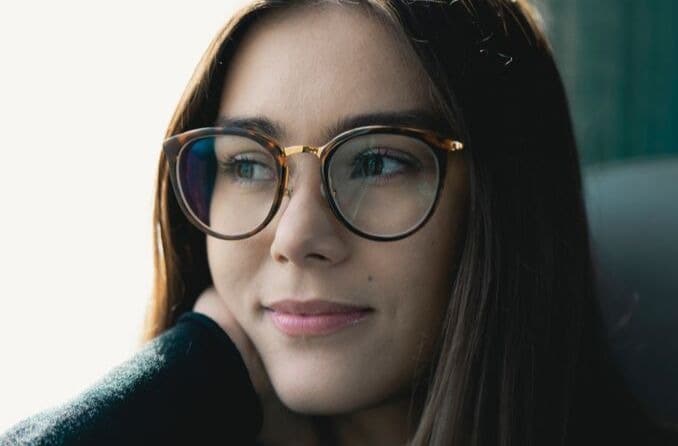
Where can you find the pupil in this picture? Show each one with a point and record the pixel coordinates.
(373, 165)
(245, 170)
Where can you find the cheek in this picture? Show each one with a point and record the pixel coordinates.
(234, 266)
(418, 303)
(424, 273)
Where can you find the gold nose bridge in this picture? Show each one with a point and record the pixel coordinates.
(292, 150)
(301, 149)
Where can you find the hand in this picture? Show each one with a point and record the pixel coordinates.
(281, 426)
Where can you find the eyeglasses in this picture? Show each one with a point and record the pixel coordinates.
(383, 181)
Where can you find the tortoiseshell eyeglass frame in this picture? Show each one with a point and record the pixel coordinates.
(175, 145)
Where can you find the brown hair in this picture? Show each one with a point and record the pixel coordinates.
(523, 353)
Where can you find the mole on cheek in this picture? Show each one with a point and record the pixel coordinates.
(369, 278)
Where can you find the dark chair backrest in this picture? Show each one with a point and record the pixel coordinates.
(633, 215)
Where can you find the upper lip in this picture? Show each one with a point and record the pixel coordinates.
(315, 306)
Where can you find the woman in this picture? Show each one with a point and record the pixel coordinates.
(379, 203)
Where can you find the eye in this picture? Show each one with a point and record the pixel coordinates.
(242, 168)
(379, 163)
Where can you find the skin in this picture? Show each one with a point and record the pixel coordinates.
(304, 68)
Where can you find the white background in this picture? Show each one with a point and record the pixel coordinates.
(86, 92)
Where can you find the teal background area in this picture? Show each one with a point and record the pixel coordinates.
(619, 63)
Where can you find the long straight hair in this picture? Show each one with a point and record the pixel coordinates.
(522, 355)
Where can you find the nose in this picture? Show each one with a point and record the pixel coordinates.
(306, 231)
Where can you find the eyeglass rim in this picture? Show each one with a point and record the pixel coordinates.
(174, 146)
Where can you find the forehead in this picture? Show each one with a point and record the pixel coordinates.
(307, 67)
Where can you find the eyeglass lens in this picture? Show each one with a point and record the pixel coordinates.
(381, 184)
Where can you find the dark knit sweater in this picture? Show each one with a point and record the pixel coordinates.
(187, 386)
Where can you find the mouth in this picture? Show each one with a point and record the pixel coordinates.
(315, 317)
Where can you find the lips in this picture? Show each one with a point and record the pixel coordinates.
(315, 317)
(313, 307)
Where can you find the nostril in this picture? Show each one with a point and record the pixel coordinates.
(281, 258)
(316, 256)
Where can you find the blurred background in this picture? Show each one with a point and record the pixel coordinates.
(618, 62)
(87, 89)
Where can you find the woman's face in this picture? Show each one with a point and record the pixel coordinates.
(305, 69)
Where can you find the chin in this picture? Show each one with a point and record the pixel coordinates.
(327, 390)
(329, 400)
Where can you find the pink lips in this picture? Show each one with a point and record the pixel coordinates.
(315, 317)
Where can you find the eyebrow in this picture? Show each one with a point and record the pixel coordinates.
(406, 118)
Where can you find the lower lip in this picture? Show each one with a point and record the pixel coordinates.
(316, 324)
